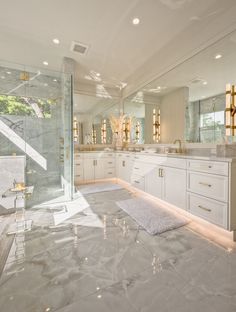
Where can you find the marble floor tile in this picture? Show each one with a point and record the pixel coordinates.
(97, 258)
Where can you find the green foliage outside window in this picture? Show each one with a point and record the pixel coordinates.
(16, 105)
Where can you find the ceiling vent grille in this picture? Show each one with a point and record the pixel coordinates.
(196, 80)
(79, 47)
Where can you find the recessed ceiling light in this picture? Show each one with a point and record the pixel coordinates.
(45, 84)
(98, 74)
(204, 83)
(218, 56)
(2, 77)
(8, 72)
(136, 21)
(55, 80)
(56, 41)
(45, 63)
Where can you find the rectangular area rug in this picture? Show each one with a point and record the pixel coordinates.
(98, 187)
(154, 219)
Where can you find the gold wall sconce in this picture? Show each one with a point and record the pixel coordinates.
(156, 121)
(230, 111)
(137, 131)
(75, 129)
(94, 134)
(126, 130)
(104, 131)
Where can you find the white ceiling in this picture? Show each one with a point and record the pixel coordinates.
(117, 49)
(92, 106)
(203, 67)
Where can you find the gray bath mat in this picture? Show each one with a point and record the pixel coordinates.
(154, 219)
(99, 187)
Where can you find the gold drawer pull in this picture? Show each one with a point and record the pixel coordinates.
(110, 172)
(110, 162)
(205, 184)
(203, 208)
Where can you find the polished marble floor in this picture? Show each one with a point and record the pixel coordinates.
(91, 256)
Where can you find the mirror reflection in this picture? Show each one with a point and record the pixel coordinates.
(191, 97)
(143, 113)
(92, 118)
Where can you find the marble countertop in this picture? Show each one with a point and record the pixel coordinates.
(169, 155)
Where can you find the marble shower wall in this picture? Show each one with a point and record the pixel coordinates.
(43, 135)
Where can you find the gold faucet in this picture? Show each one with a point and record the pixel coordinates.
(179, 149)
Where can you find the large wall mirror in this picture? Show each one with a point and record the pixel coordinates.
(191, 97)
(92, 117)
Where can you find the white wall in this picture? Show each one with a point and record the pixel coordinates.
(173, 107)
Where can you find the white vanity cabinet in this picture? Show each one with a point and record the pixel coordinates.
(78, 168)
(124, 166)
(208, 190)
(163, 177)
(154, 182)
(174, 189)
(168, 182)
(205, 188)
(92, 166)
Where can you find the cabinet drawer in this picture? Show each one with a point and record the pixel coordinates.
(78, 163)
(138, 182)
(110, 173)
(78, 158)
(78, 170)
(149, 159)
(78, 177)
(170, 161)
(107, 155)
(208, 209)
(109, 163)
(213, 167)
(213, 186)
(142, 169)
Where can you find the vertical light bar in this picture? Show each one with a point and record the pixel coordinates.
(75, 129)
(159, 125)
(228, 110)
(94, 134)
(104, 131)
(138, 131)
(233, 115)
(154, 124)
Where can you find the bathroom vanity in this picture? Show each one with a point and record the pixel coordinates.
(201, 185)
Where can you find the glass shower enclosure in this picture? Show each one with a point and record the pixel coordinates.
(36, 143)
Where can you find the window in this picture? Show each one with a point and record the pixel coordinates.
(212, 119)
(205, 120)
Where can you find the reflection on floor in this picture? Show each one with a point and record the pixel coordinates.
(91, 256)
